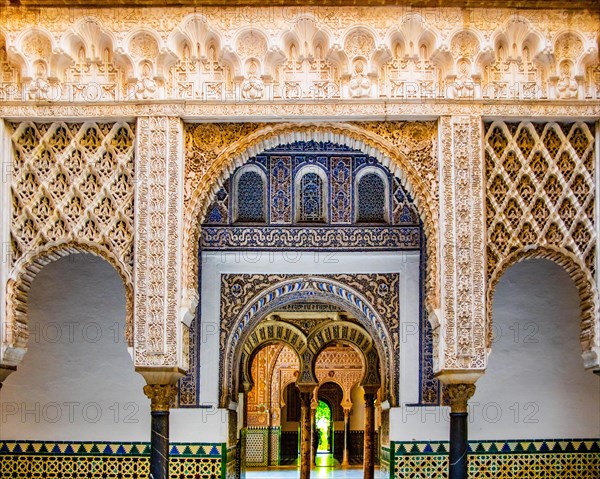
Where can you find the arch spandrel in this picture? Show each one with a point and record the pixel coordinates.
(406, 148)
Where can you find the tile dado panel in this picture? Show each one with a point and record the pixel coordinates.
(72, 460)
(531, 459)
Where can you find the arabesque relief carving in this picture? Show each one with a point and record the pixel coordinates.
(71, 191)
(307, 54)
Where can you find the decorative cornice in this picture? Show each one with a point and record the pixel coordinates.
(349, 110)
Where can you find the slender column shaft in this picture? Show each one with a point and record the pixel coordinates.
(345, 461)
(369, 448)
(305, 434)
(161, 397)
(159, 445)
(458, 396)
(314, 441)
(458, 445)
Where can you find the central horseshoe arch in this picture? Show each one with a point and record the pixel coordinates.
(375, 345)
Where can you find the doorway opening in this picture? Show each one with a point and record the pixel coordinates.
(323, 419)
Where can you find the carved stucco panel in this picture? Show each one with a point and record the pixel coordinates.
(462, 312)
(159, 187)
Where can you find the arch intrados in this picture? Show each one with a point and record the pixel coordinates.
(578, 273)
(24, 273)
(247, 364)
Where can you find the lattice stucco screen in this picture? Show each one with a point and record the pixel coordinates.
(540, 194)
(73, 183)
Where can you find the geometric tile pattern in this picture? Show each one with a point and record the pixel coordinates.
(27, 459)
(547, 459)
(106, 448)
(256, 446)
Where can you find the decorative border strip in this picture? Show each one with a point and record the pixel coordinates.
(521, 446)
(107, 448)
(315, 238)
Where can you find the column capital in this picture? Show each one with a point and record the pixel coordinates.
(161, 395)
(459, 395)
(370, 398)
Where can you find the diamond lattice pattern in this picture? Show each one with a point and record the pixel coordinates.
(73, 183)
(540, 189)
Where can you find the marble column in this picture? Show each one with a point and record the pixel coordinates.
(345, 461)
(369, 438)
(458, 396)
(305, 433)
(161, 397)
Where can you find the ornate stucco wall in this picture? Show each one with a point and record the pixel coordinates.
(121, 125)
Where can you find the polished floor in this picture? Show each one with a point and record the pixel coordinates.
(316, 473)
(327, 468)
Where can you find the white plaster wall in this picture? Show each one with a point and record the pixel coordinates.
(77, 380)
(215, 264)
(535, 385)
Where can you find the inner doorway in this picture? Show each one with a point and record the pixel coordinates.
(273, 433)
(324, 428)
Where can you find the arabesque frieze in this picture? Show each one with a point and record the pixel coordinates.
(245, 55)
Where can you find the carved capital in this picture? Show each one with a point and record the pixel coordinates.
(305, 398)
(161, 395)
(370, 399)
(459, 395)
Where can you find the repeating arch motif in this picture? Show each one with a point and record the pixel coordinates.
(371, 337)
(308, 350)
(189, 55)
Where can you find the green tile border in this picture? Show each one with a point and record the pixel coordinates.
(518, 446)
(106, 448)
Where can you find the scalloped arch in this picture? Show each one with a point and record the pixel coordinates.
(396, 158)
(583, 280)
(19, 284)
